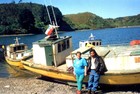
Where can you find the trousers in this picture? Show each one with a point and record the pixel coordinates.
(93, 80)
(79, 79)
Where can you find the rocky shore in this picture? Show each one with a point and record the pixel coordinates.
(39, 86)
(32, 86)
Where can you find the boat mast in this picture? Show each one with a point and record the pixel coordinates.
(49, 15)
(53, 14)
(54, 23)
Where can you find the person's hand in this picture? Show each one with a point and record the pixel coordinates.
(85, 74)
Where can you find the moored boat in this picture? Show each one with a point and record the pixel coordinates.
(49, 58)
(15, 52)
(122, 62)
(90, 42)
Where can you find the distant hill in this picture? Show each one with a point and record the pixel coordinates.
(89, 20)
(126, 21)
(24, 18)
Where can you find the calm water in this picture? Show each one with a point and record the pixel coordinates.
(108, 36)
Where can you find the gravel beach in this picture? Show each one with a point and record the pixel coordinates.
(39, 86)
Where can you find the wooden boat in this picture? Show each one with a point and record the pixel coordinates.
(122, 62)
(90, 42)
(49, 58)
(15, 52)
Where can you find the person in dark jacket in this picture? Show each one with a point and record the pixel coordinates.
(96, 67)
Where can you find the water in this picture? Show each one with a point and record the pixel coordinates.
(108, 36)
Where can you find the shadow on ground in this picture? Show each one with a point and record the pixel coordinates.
(103, 89)
(120, 88)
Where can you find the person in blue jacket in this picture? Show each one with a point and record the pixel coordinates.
(80, 70)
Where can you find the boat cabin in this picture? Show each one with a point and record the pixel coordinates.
(16, 51)
(90, 42)
(52, 52)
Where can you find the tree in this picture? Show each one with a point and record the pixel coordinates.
(26, 20)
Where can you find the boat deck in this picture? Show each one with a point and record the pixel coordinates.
(29, 62)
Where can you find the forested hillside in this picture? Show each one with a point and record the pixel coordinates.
(24, 18)
(87, 21)
(91, 21)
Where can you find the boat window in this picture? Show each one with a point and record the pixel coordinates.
(18, 47)
(22, 54)
(97, 44)
(59, 47)
(22, 47)
(63, 45)
(93, 43)
(68, 43)
(14, 49)
(86, 44)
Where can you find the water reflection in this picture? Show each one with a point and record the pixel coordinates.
(11, 71)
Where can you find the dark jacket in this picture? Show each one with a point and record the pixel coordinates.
(100, 66)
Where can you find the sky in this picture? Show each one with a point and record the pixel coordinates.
(102, 8)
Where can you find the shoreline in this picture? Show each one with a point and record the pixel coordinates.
(38, 86)
(16, 35)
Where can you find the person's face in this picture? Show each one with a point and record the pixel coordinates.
(92, 54)
(78, 55)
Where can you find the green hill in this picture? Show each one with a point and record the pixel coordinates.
(86, 21)
(91, 21)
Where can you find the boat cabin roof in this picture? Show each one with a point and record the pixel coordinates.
(17, 45)
(51, 41)
(82, 50)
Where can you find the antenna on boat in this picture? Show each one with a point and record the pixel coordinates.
(91, 37)
(16, 41)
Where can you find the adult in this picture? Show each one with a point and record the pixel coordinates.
(96, 67)
(80, 70)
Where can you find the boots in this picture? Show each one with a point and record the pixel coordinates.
(78, 92)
